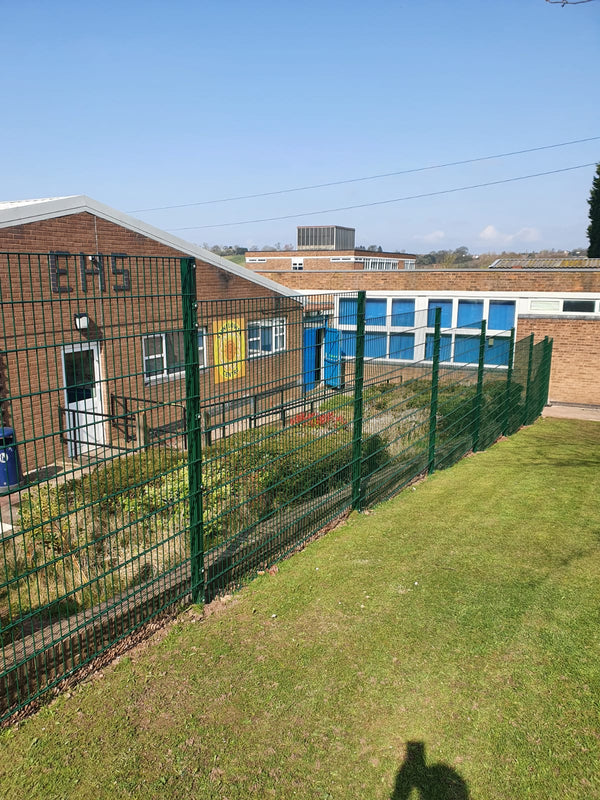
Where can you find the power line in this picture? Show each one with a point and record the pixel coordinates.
(368, 177)
(385, 202)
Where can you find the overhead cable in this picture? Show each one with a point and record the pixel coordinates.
(385, 202)
(368, 177)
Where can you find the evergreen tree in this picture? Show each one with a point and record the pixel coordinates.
(593, 230)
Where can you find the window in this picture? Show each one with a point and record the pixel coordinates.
(375, 345)
(502, 315)
(403, 313)
(163, 354)
(470, 313)
(579, 305)
(410, 263)
(375, 311)
(266, 336)
(566, 306)
(497, 350)
(402, 345)
(348, 311)
(445, 347)
(466, 349)
(380, 264)
(255, 260)
(446, 306)
(297, 264)
(348, 344)
(550, 306)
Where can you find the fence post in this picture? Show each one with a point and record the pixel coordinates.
(194, 430)
(478, 400)
(509, 372)
(541, 379)
(526, 413)
(359, 371)
(435, 377)
(548, 358)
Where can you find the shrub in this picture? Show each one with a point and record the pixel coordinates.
(45, 512)
(341, 403)
(270, 467)
(417, 392)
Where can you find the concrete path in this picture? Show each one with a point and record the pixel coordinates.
(568, 411)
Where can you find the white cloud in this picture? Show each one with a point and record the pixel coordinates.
(492, 235)
(434, 236)
(528, 235)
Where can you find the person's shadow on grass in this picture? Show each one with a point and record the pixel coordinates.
(437, 782)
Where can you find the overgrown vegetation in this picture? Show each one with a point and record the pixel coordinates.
(268, 468)
(90, 538)
(394, 410)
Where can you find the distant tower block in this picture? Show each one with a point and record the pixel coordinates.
(325, 237)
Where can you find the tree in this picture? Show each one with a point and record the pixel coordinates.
(462, 254)
(593, 230)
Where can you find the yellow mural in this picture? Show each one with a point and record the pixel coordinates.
(229, 349)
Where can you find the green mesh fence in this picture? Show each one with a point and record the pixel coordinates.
(158, 448)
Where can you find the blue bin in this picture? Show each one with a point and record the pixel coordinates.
(10, 468)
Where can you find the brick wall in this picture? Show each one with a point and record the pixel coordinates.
(38, 322)
(87, 233)
(314, 261)
(444, 280)
(575, 376)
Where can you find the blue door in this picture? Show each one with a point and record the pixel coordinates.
(309, 359)
(332, 372)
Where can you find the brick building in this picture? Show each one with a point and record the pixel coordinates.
(327, 248)
(91, 345)
(559, 299)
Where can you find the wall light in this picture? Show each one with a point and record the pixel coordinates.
(82, 322)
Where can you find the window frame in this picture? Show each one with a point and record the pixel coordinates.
(421, 308)
(178, 370)
(278, 328)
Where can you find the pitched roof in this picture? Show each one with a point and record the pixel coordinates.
(546, 263)
(22, 212)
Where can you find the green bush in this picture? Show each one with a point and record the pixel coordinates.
(119, 484)
(124, 476)
(417, 392)
(340, 403)
(269, 467)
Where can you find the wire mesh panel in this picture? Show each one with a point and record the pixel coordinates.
(94, 542)
(166, 448)
(276, 461)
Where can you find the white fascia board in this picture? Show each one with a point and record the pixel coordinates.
(77, 204)
(38, 210)
(468, 294)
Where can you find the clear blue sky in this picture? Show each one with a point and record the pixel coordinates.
(143, 104)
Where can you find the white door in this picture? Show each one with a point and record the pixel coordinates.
(83, 397)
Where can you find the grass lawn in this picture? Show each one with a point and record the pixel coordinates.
(448, 639)
(240, 260)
